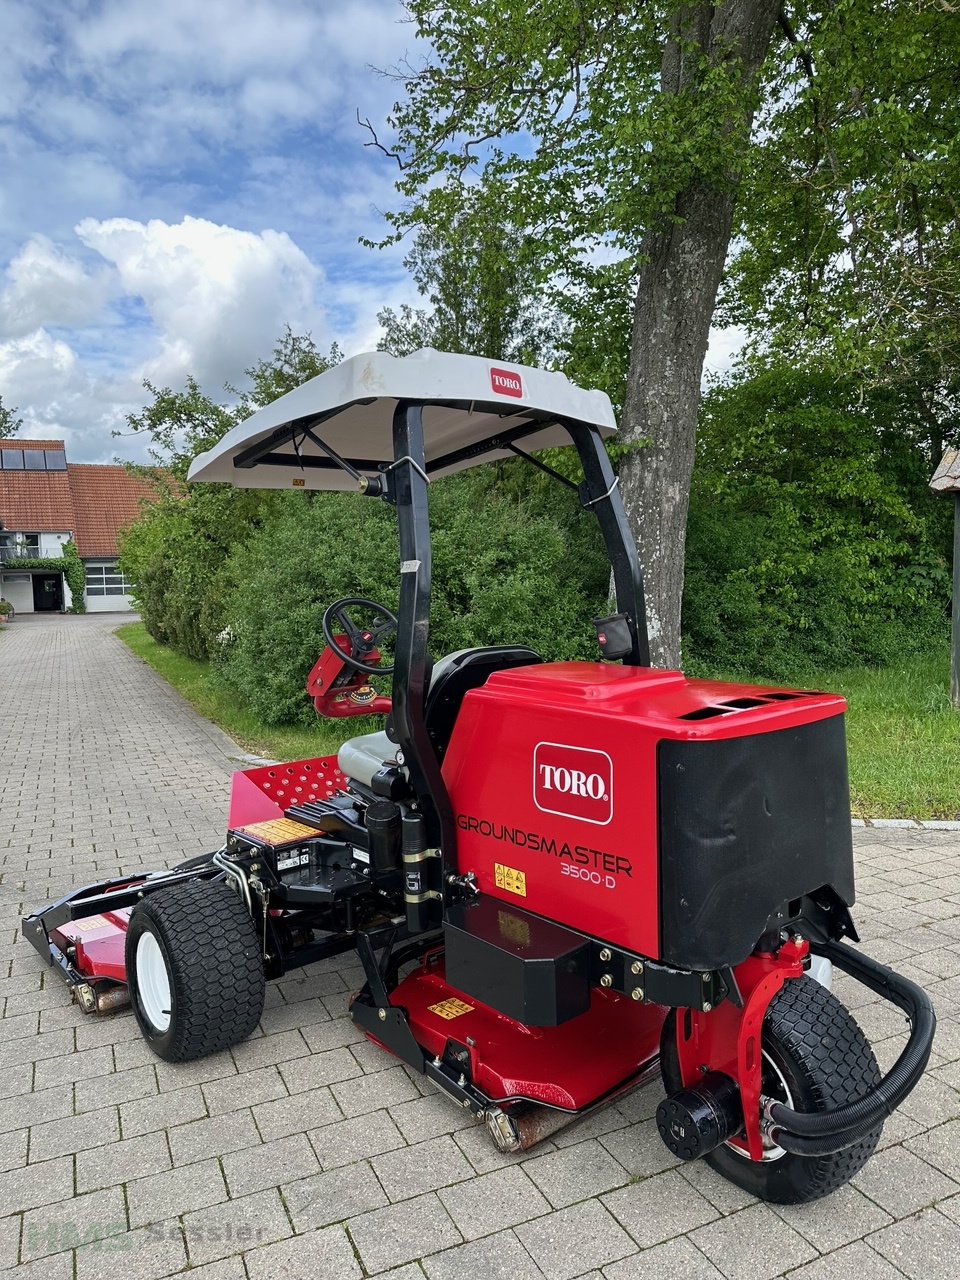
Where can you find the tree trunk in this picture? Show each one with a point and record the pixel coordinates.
(676, 295)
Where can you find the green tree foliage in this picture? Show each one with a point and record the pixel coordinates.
(483, 299)
(176, 552)
(509, 567)
(850, 242)
(10, 424)
(813, 541)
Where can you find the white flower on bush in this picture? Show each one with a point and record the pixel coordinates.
(225, 637)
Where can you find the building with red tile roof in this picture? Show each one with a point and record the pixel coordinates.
(46, 502)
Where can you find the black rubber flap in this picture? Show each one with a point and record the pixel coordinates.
(533, 971)
(747, 824)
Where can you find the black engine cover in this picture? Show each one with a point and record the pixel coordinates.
(746, 824)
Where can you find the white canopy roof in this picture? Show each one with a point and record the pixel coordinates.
(467, 402)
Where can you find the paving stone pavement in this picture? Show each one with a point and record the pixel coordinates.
(306, 1152)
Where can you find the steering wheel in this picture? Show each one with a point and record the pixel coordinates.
(362, 639)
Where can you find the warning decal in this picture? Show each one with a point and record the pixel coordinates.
(451, 1008)
(279, 831)
(509, 879)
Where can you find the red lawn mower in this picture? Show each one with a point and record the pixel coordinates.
(562, 879)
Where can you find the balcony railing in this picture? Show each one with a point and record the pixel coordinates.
(19, 553)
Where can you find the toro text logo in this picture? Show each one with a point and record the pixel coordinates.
(576, 782)
(505, 383)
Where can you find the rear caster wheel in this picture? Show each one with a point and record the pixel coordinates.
(194, 970)
(815, 1058)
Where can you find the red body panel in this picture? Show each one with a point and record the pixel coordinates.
(552, 773)
(98, 942)
(257, 795)
(545, 1064)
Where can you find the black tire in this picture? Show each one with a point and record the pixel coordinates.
(214, 971)
(821, 1054)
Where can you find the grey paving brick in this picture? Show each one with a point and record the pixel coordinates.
(296, 1114)
(410, 1171)
(269, 1164)
(576, 1173)
(923, 1247)
(370, 1093)
(223, 1269)
(902, 1183)
(74, 1133)
(268, 1050)
(840, 1218)
(121, 1086)
(421, 1118)
(659, 1207)
(499, 1257)
(230, 1094)
(293, 1017)
(13, 1150)
(317, 1255)
(227, 1228)
(55, 1228)
(402, 1232)
(37, 1184)
(10, 1242)
(855, 1261)
(91, 1064)
(676, 1260)
(231, 1132)
(319, 1069)
(357, 1139)
(335, 1033)
(36, 1108)
(119, 1162)
(145, 1254)
(754, 1244)
(333, 1197)
(574, 1240)
(177, 1075)
(38, 1048)
(16, 1080)
(640, 1149)
(175, 1191)
(58, 1266)
(492, 1202)
(147, 1114)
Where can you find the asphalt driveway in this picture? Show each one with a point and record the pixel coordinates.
(308, 1153)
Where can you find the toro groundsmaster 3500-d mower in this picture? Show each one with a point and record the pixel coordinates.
(562, 878)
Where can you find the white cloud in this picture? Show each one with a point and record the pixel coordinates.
(218, 297)
(46, 287)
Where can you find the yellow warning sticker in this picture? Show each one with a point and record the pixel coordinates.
(511, 880)
(451, 1008)
(91, 922)
(279, 831)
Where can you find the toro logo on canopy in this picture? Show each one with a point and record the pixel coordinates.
(576, 782)
(505, 383)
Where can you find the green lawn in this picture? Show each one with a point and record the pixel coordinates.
(904, 737)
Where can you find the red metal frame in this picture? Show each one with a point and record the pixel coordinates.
(338, 691)
(728, 1039)
(570, 1066)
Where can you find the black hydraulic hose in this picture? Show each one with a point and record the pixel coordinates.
(827, 1144)
(856, 1119)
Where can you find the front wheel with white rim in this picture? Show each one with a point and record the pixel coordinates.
(815, 1058)
(194, 970)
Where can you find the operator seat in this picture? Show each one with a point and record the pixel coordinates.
(453, 677)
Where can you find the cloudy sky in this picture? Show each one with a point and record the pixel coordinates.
(179, 182)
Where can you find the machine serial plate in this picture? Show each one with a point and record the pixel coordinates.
(451, 1008)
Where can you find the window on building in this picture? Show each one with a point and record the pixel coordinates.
(55, 459)
(33, 460)
(11, 459)
(106, 580)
